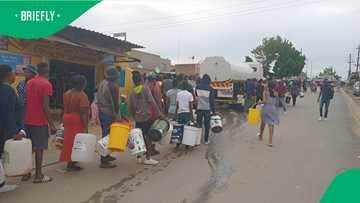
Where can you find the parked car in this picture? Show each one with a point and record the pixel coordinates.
(356, 89)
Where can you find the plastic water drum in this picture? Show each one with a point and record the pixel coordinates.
(84, 148)
(119, 134)
(17, 157)
(158, 129)
(136, 142)
(254, 116)
(216, 124)
(177, 133)
(191, 135)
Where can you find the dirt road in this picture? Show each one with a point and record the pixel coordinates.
(235, 167)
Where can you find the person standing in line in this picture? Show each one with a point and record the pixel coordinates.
(108, 104)
(249, 94)
(140, 101)
(10, 128)
(75, 119)
(30, 73)
(156, 91)
(295, 91)
(206, 105)
(304, 85)
(171, 96)
(167, 85)
(38, 118)
(184, 104)
(281, 89)
(325, 96)
(269, 113)
(259, 91)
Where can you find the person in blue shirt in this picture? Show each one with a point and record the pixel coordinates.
(10, 123)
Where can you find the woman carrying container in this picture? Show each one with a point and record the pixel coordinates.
(269, 113)
(75, 119)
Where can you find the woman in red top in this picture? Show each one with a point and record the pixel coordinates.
(75, 120)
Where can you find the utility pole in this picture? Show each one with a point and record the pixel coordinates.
(357, 60)
(350, 63)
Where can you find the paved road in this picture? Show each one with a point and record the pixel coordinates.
(235, 167)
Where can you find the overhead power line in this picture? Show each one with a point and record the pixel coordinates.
(206, 11)
(288, 4)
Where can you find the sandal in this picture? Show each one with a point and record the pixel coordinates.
(26, 177)
(44, 179)
(74, 168)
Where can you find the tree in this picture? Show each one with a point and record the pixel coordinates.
(279, 58)
(248, 59)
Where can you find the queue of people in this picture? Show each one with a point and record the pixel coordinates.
(26, 113)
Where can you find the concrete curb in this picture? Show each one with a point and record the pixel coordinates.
(354, 109)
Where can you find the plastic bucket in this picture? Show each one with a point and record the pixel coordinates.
(216, 124)
(158, 129)
(136, 142)
(254, 116)
(118, 138)
(191, 135)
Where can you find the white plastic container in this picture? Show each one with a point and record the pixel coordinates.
(136, 142)
(2, 173)
(17, 157)
(191, 135)
(102, 146)
(216, 124)
(84, 148)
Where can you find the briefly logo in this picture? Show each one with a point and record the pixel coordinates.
(37, 16)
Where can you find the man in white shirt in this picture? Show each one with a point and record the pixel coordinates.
(184, 104)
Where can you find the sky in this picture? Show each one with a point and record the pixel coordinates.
(327, 31)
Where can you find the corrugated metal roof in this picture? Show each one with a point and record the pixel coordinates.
(95, 40)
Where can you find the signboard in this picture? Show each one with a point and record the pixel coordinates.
(16, 62)
(4, 41)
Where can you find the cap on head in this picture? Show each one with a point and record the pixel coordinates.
(30, 68)
(136, 77)
(111, 73)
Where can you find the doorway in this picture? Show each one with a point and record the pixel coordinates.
(60, 74)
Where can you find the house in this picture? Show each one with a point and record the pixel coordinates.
(149, 62)
(187, 69)
(71, 51)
